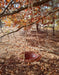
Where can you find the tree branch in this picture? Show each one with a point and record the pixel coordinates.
(51, 12)
(6, 7)
(25, 7)
(31, 23)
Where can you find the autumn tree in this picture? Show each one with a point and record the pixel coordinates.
(22, 13)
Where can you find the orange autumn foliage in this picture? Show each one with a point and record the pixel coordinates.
(17, 0)
(0, 4)
(19, 26)
(38, 21)
(14, 25)
(0, 10)
(8, 0)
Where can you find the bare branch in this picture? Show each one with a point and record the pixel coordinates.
(51, 12)
(6, 7)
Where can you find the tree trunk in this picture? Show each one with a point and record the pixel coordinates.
(53, 18)
(53, 30)
(0, 24)
(37, 28)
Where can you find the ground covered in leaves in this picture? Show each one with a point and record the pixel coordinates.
(12, 66)
(47, 46)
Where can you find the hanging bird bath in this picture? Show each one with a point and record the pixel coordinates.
(31, 56)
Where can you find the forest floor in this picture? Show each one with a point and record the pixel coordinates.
(47, 46)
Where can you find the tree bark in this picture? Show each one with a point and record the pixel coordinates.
(53, 19)
(37, 27)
